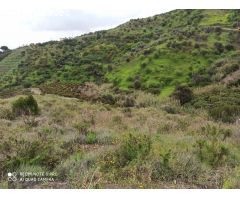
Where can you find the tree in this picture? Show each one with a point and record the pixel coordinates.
(4, 48)
(184, 94)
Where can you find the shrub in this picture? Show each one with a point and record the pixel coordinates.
(41, 153)
(129, 102)
(91, 138)
(184, 94)
(212, 149)
(211, 153)
(225, 112)
(27, 84)
(222, 103)
(133, 147)
(161, 168)
(25, 106)
(108, 99)
(137, 84)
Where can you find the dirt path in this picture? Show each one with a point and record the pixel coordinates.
(231, 29)
(36, 91)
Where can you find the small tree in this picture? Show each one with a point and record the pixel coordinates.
(4, 48)
(137, 84)
(183, 94)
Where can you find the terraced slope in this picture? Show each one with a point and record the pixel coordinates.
(11, 61)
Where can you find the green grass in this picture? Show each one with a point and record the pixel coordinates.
(169, 70)
(167, 91)
(215, 17)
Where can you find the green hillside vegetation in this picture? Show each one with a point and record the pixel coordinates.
(160, 52)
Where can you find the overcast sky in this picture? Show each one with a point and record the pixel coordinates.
(29, 21)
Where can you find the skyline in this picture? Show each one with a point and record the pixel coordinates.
(23, 25)
(26, 21)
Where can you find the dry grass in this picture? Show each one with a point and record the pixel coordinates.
(62, 119)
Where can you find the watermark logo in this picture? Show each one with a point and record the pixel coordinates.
(31, 176)
(12, 176)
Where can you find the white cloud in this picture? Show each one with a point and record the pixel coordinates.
(27, 21)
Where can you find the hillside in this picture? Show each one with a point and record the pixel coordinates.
(152, 103)
(153, 54)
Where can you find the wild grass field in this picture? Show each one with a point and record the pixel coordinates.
(155, 144)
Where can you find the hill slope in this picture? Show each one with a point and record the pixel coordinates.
(153, 54)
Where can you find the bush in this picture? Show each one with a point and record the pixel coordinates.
(137, 84)
(41, 153)
(27, 84)
(225, 113)
(222, 103)
(25, 106)
(212, 149)
(91, 138)
(108, 99)
(129, 102)
(184, 94)
(133, 147)
(161, 168)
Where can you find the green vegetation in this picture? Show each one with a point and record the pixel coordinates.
(154, 54)
(212, 150)
(25, 106)
(221, 102)
(91, 138)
